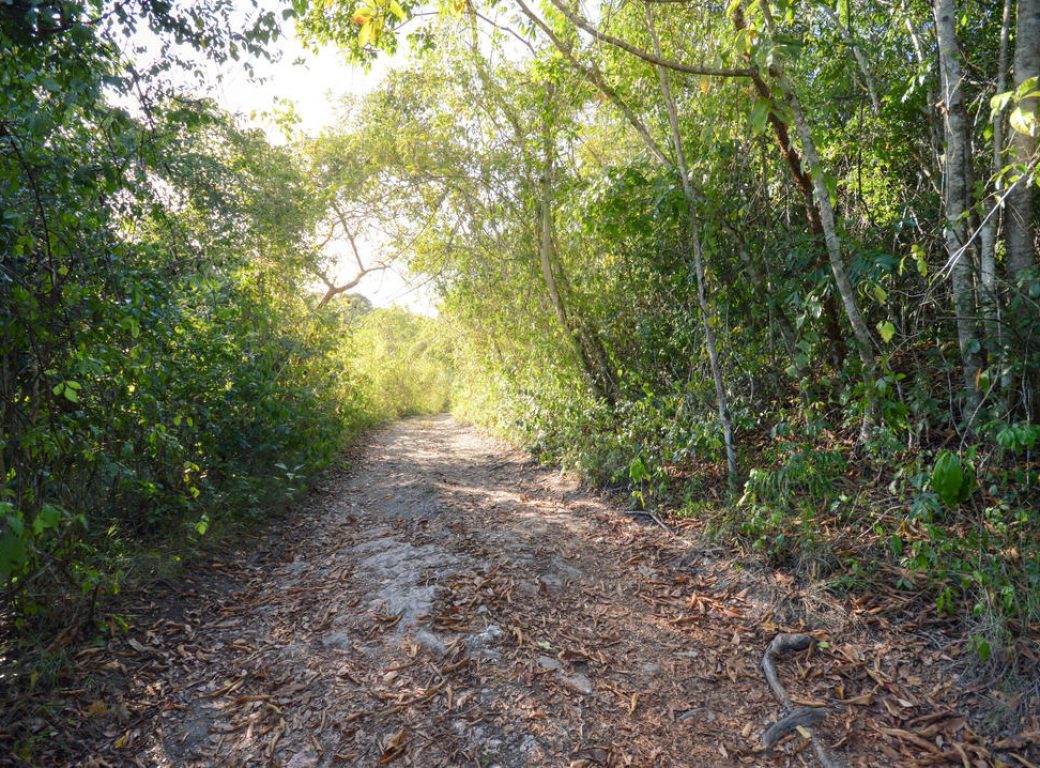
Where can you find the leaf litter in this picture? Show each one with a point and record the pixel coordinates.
(447, 603)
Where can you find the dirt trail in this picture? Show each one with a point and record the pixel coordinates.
(447, 603)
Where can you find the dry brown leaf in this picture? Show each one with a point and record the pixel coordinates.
(394, 748)
(912, 738)
(864, 699)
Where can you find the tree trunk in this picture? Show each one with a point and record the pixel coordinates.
(802, 180)
(847, 292)
(595, 76)
(585, 343)
(1021, 229)
(1020, 215)
(857, 52)
(957, 184)
(592, 363)
(991, 216)
(698, 260)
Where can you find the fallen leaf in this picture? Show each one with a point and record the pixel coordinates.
(97, 709)
(393, 749)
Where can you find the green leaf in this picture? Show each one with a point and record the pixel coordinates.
(397, 10)
(896, 545)
(759, 115)
(781, 112)
(637, 471)
(1023, 122)
(831, 183)
(15, 523)
(998, 102)
(981, 647)
(887, 330)
(880, 293)
(13, 556)
(47, 518)
(952, 480)
(366, 34)
(1026, 87)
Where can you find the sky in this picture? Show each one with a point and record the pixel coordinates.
(316, 86)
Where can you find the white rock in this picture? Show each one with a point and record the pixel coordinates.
(578, 683)
(547, 662)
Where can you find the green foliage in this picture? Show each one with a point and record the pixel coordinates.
(165, 368)
(404, 361)
(952, 479)
(779, 506)
(161, 367)
(587, 346)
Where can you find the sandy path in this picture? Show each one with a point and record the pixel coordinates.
(447, 603)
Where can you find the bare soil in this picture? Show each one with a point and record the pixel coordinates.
(446, 602)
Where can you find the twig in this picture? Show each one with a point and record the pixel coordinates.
(651, 515)
(956, 255)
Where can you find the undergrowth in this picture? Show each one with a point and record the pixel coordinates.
(962, 528)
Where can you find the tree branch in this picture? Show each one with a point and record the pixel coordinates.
(678, 66)
(592, 72)
(334, 290)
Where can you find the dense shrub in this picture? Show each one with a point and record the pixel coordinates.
(404, 360)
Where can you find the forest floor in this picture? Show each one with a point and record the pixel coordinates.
(446, 602)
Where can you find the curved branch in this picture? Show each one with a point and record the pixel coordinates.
(507, 30)
(592, 72)
(678, 66)
(333, 290)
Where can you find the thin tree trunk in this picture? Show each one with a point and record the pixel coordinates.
(698, 261)
(1020, 214)
(857, 52)
(934, 135)
(957, 185)
(555, 299)
(584, 332)
(847, 292)
(1021, 230)
(802, 180)
(595, 76)
(586, 345)
(991, 218)
(597, 378)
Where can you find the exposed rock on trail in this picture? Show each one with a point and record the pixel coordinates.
(446, 603)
